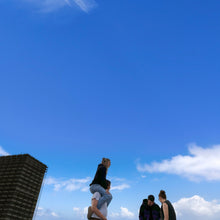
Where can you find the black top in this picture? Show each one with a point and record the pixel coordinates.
(100, 176)
(172, 214)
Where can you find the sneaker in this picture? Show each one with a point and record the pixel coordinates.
(90, 212)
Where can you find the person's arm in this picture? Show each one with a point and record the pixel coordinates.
(165, 211)
(96, 210)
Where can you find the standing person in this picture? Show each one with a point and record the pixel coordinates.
(94, 213)
(99, 183)
(149, 210)
(154, 208)
(167, 209)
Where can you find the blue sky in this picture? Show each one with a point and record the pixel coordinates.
(137, 82)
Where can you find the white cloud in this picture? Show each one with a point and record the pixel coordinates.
(124, 213)
(85, 189)
(118, 183)
(120, 187)
(80, 212)
(201, 164)
(54, 214)
(117, 179)
(3, 152)
(42, 212)
(85, 5)
(53, 5)
(82, 184)
(69, 185)
(197, 208)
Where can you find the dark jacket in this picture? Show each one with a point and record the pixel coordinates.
(100, 176)
(143, 207)
(156, 213)
(149, 212)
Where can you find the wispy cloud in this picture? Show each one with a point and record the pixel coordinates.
(46, 213)
(81, 213)
(119, 183)
(124, 213)
(118, 179)
(85, 5)
(69, 185)
(3, 152)
(201, 164)
(197, 208)
(53, 5)
(83, 184)
(120, 187)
